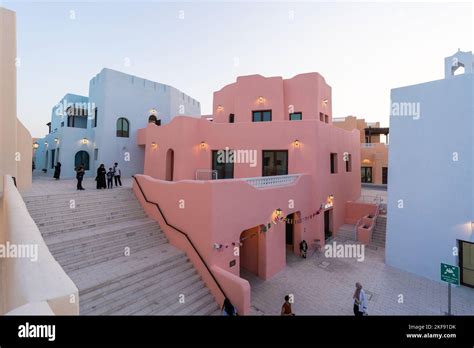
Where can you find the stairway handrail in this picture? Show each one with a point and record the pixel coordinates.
(183, 233)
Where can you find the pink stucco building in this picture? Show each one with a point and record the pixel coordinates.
(289, 159)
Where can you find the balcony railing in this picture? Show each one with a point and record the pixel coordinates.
(367, 145)
(271, 181)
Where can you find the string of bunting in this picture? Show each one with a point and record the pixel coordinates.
(266, 227)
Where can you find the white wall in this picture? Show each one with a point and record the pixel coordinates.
(437, 192)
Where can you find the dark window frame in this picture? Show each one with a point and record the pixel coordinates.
(231, 118)
(461, 263)
(274, 153)
(214, 166)
(296, 113)
(333, 158)
(95, 118)
(254, 112)
(121, 133)
(349, 163)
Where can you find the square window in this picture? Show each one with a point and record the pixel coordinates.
(296, 116)
(333, 159)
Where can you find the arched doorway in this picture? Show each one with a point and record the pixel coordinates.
(169, 165)
(82, 158)
(249, 260)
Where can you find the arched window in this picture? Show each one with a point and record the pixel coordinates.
(152, 119)
(82, 158)
(123, 128)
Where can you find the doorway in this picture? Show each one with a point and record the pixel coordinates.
(384, 175)
(53, 152)
(327, 224)
(466, 263)
(249, 250)
(169, 165)
(289, 228)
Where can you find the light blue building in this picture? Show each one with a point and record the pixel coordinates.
(102, 127)
(431, 190)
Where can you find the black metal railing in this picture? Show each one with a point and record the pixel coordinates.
(181, 232)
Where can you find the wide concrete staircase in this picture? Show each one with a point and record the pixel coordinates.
(119, 258)
(379, 232)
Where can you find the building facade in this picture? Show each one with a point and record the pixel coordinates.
(373, 148)
(102, 127)
(430, 196)
(265, 171)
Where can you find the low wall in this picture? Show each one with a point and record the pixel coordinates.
(357, 210)
(154, 189)
(27, 281)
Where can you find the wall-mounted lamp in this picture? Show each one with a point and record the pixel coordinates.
(35, 146)
(153, 112)
(217, 246)
(296, 143)
(203, 145)
(325, 102)
(220, 108)
(45, 143)
(261, 99)
(56, 140)
(154, 146)
(85, 141)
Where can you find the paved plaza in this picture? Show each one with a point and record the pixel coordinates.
(324, 286)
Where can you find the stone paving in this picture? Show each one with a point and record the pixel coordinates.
(324, 286)
(45, 184)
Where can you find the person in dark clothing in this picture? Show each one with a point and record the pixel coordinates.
(79, 176)
(100, 178)
(303, 248)
(117, 175)
(57, 171)
(110, 177)
(228, 309)
(286, 308)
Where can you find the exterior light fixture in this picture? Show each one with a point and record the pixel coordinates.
(217, 246)
(325, 102)
(203, 145)
(296, 143)
(85, 141)
(261, 99)
(154, 145)
(35, 146)
(45, 143)
(220, 108)
(153, 112)
(56, 140)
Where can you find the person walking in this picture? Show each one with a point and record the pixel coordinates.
(286, 308)
(100, 178)
(79, 176)
(228, 309)
(117, 174)
(360, 301)
(57, 171)
(110, 177)
(303, 248)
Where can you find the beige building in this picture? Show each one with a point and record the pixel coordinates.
(373, 148)
(15, 140)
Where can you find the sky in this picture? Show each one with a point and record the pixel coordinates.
(363, 49)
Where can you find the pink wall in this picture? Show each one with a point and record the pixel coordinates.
(356, 210)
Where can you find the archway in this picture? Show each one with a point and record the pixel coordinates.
(82, 158)
(169, 165)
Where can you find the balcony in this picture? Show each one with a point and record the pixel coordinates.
(271, 181)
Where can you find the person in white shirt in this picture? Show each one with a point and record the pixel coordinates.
(360, 301)
(117, 175)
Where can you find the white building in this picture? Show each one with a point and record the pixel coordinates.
(430, 196)
(101, 128)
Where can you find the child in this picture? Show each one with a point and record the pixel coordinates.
(110, 177)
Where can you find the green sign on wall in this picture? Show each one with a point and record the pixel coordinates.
(450, 273)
